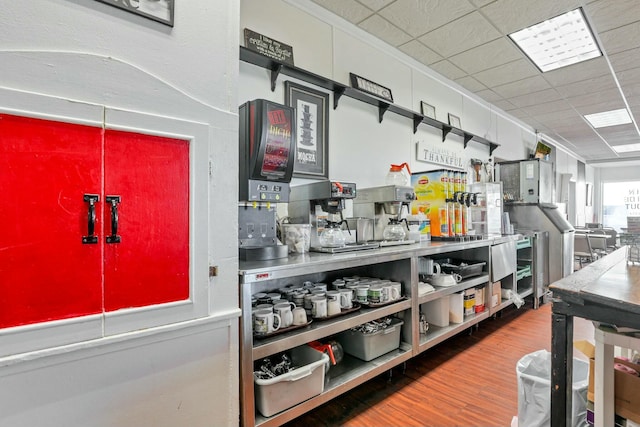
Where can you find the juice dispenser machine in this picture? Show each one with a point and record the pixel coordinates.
(266, 165)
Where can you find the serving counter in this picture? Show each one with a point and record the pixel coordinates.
(397, 263)
(606, 291)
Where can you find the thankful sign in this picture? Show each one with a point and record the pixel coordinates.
(439, 155)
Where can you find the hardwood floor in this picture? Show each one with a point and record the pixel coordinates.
(469, 380)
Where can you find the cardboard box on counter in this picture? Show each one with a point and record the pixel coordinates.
(627, 386)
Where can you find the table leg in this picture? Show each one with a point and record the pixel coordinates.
(561, 369)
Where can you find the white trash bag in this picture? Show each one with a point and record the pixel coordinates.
(534, 390)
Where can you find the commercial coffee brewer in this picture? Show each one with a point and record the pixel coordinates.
(266, 165)
(386, 205)
(321, 204)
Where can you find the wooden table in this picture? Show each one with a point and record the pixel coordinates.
(606, 291)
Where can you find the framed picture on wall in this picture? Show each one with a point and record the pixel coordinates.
(312, 130)
(428, 110)
(454, 121)
(158, 10)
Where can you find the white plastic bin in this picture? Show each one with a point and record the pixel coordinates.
(369, 346)
(456, 308)
(534, 390)
(284, 391)
(436, 312)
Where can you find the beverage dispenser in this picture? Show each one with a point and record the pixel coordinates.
(266, 137)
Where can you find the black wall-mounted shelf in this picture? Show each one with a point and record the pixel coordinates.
(276, 68)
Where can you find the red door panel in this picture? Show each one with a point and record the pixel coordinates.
(46, 273)
(150, 265)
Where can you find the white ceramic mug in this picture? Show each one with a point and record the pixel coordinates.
(283, 309)
(333, 295)
(299, 316)
(361, 293)
(265, 321)
(333, 307)
(374, 294)
(319, 307)
(390, 293)
(346, 298)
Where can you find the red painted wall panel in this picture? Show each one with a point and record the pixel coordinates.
(46, 273)
(151, 263)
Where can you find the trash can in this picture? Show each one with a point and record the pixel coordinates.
(534, 390)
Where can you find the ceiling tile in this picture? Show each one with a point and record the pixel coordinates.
(375, 4)
(621, 39)
(625, 60)
(487, 56)
(543, 96)
(448, 70)
(582, 71)
(633, 101)
(605, 15)
(597, 102)
(548, 110)
(471, 84)
(513, 15)
(506, 73)
(385, 30)
(420, 52)
(350, 10)
(462, 34)
(586, 86)
(418, 17)
(489, 95)
(504, 105)
(480, 3)
(522, 87)
(629, 76)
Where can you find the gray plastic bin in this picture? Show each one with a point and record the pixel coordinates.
(534, 390)
(369, 346)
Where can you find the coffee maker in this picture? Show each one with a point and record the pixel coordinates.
(266, 137)
(386, 205)
(321, 204)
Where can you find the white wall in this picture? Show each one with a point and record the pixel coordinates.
(91, 52)
(360, 148)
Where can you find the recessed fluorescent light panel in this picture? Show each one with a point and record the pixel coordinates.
(558, 42)
(609, 118)
(626, 148)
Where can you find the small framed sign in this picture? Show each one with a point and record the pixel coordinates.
(454, 121)
(373, 88)
(428, 110)
(268, 47)
(158, 10)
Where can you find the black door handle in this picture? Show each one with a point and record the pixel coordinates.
(113, 202)
(90, 238)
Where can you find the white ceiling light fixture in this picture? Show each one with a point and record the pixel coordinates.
(558, 42)
(609, 118)
(626, 148)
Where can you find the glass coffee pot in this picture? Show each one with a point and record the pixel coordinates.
(332, 236)
(394, 230)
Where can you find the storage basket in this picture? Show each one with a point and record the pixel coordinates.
(274, 395)
(369, 346)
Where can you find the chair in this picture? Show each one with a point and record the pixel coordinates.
(582, 248)
(598, 242)
(612, 239)
(594, 225)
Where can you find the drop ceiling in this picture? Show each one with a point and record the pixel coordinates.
(466, 41)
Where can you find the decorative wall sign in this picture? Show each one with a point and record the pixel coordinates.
(439, 155)
(312, 130)
(428, 110)
(158, 10)
(373, 88)
(268, 47)
(454, 121)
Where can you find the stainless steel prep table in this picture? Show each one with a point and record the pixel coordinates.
(606, 291)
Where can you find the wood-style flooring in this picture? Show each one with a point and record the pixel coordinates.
(469, 380)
